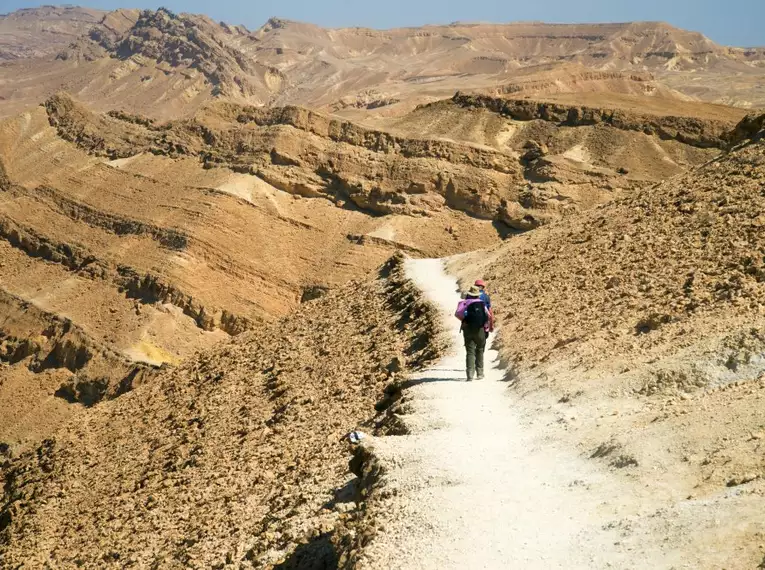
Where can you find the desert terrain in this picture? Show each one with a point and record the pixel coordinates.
(169, 65)
(223, 250)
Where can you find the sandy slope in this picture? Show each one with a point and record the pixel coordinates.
(473, 486)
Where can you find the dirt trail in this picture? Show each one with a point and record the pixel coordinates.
(473, 487)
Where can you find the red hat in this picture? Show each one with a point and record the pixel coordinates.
(480, 283)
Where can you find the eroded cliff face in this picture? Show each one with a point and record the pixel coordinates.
(702, 133)
(40, 340)
(148, 287)
(305, 153)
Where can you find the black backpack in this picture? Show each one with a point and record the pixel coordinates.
(475, 315)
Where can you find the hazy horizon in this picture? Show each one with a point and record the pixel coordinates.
(734, 23)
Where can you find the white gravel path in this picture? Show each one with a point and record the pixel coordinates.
(471, 488)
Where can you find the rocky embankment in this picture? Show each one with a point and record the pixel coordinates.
(305, 153)
(684, 250)
(232, 458)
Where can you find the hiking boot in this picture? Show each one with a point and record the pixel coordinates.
(480, 375)
(470, 377)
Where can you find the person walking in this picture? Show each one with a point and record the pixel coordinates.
(476, 323)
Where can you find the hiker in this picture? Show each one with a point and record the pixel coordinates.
(476, 324)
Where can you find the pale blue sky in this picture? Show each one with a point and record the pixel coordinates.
(731, 22)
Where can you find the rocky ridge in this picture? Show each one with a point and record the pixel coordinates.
(703, 133)
(193, 42)
(377, 171)
(374, 170)
(637, 82)
(42, 32)
(245, 446)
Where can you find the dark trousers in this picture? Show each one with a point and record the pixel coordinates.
(475, 344)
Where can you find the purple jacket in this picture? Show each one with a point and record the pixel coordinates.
(460, 312)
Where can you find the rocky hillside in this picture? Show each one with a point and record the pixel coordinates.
(642, 268)
(181, 42)
(235, 458)
(190, 213)
(655, 300)
(172, 64)
(149, 241)
(153, 240)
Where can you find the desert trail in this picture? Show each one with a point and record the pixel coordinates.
(223, 251)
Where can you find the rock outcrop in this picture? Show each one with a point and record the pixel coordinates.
(191, 42)
(40, 340)
(309, 154)
(750, 129)
(703, 133)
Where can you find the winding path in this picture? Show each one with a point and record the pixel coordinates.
(471, 488)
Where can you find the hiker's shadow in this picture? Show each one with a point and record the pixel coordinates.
(412, 382)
